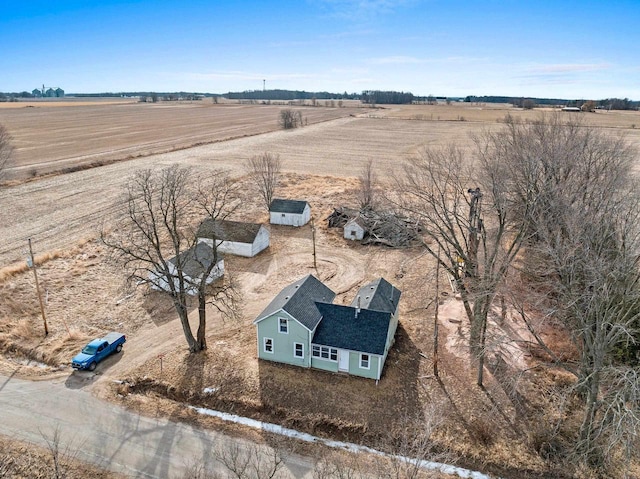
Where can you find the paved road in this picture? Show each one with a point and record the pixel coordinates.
(108, 435)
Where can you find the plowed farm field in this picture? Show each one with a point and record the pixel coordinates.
(62, 136)
(61, 210)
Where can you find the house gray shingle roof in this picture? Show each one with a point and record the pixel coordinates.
(341, 328)
(287, 206)
(226, 230)
(379, 295)
(195, 260)
(299, 300)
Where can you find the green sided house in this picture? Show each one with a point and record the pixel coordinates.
(302, 327)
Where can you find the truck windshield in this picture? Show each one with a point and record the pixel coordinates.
(89, 349)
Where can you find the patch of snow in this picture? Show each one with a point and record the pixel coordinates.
(347, 446)
(210, 390)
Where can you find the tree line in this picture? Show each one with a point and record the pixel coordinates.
(608, 103)
(542, 221)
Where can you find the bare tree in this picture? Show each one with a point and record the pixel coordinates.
(264, 171)
(290, 119)
(366, 193)
(157, 239)
(583, 211)
(466, 211)
(6, 150)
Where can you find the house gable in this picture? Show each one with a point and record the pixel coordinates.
(299, 300)
(281, 337)
(378, 295)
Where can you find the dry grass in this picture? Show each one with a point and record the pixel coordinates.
(19, 460)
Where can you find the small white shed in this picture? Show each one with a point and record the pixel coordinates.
(289, 212)
(355, 229)
(234, 237)
(194, 263)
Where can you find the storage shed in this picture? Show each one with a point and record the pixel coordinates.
(194, 263)
(234, 237)
(289, 212)
(355, 229)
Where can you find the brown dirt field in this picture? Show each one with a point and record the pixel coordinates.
(47, 210)
(495, 112)
(78, 134)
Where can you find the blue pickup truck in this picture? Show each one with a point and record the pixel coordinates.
(97, 350)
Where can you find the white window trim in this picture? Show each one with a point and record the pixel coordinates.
(264, 345)
(368, 366)
(294, 350)
(279, 326)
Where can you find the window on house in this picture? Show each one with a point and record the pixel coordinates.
(268, 345)
(353, 233)
(284, 325)
(298, 350)
(364, 361)
(283, 215)
(324, 352)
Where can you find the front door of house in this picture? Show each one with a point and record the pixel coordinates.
(343, 363)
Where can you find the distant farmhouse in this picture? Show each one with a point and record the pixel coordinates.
(302, 327)
(48, 93)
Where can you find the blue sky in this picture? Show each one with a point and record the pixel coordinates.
(538, 48)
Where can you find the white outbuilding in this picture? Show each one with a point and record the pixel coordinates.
(355, 229)
(289, 212)
(193, 263)
(234, 237)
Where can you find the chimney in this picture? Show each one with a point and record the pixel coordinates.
(358, 306)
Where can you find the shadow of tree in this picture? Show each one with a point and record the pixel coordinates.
(159, 306)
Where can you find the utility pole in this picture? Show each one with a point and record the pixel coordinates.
(435, 320)
(313, 237)
(32, 263)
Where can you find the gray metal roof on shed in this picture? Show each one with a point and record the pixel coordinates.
(299, 300)
(287, 206)
(341, 328)
(227, 230)
(379, 295)
(196, 259)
